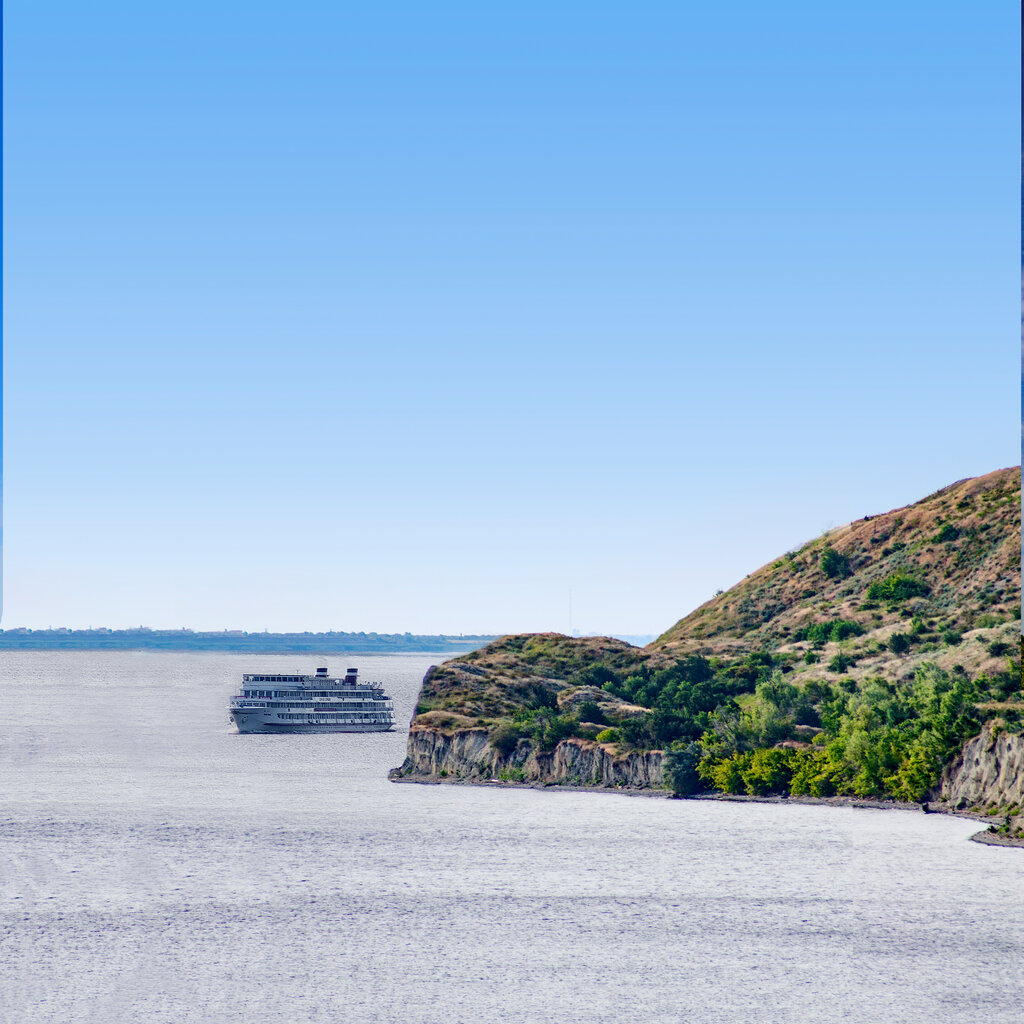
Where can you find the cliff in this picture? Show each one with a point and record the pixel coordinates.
(988, 775)
(469, 755)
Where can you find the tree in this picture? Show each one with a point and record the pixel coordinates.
(679, 769)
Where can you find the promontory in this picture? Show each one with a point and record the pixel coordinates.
(880, 660)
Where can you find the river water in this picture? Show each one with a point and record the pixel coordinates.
(157, 867)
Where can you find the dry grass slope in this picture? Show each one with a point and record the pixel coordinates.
(961, 543)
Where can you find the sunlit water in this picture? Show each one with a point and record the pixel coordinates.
(158, 867)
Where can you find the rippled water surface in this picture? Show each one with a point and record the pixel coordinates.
(157, 867)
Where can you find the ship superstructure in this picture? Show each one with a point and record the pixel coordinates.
(283, 702)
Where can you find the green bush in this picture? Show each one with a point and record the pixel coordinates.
(815, 773)
(504, 739)
(768, 771)
(820, 633)
(833, 564)
(550, 730)
(951, 637)
(844, 628)
(608, 736)
(948, 533)
(841, 662)
(637, 732)
(899, 643)
(598, 675)
(897, 587)
(724, 775)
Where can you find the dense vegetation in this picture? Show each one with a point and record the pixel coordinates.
(743, 728)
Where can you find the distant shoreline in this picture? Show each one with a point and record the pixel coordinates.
(237, 641)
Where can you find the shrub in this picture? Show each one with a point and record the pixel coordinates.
(608, 736)
(899, 643)
(833, 564)
(948, 533)
(897, 587)
(815, 773)
(637, 731)
(819, 633)
(550, 730)
(590, 712)
(841, 662)
(725, 775)
(951, 637)
(916, 775)
(844, 628)
(505, 738)
(997, 648)
(597, 675)
(768, 771)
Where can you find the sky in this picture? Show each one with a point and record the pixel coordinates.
(462, 317)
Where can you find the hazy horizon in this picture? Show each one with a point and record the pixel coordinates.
(460, 319)
(229, 630)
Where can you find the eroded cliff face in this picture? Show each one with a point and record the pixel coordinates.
(988, 773)
(468, 754)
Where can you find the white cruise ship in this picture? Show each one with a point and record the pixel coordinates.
(274, 702)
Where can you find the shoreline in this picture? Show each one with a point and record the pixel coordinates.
(985, 836)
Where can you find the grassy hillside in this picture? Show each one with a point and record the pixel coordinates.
(857, 664)
(943, 572)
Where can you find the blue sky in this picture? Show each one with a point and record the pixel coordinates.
(425, 317)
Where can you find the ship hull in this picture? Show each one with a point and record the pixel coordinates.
(251, 723)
